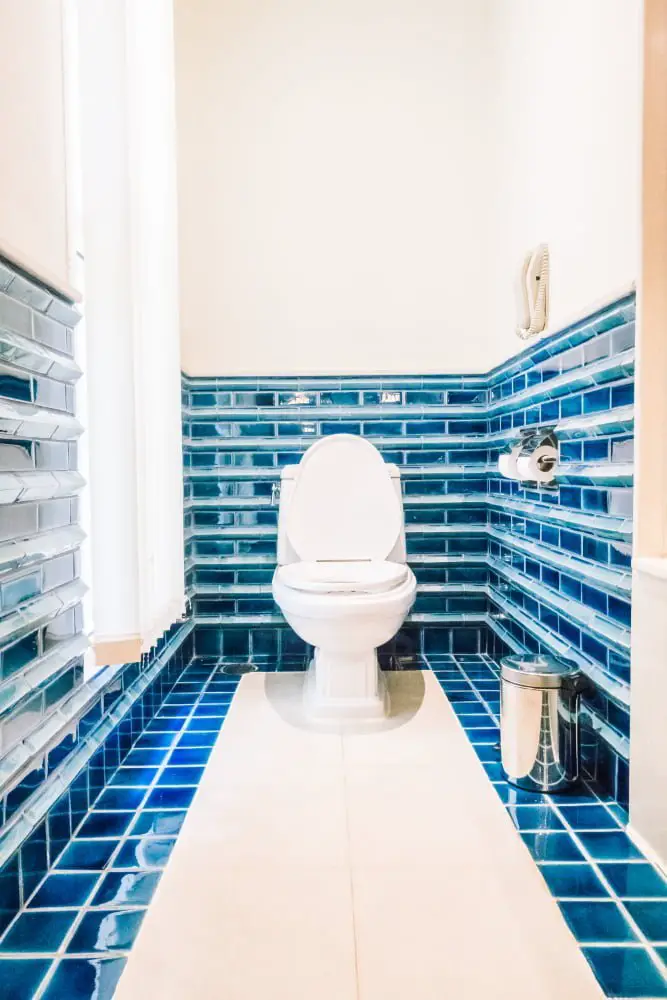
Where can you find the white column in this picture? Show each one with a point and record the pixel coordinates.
(129, 199)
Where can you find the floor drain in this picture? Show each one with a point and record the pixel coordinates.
(237, 668)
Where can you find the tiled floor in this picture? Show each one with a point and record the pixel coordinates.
(363, 865)
(73, 937)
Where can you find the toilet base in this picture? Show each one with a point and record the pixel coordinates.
(343, 685)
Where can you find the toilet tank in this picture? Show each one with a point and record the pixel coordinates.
(286, 553)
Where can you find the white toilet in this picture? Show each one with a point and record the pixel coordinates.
(342, 581)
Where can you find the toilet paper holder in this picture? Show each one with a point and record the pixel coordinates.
(532, 439)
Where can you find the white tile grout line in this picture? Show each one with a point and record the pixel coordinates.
(56, 957)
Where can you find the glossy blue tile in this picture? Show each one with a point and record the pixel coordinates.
(535, 818)
(38, 931)
(134, 777)
(21, 978)
(552, 846)
(126, 888)
(105, 824)
(144, 852)
(597, 922)
(86, 855)
(588, 817)
(61, 890)
(635, 880)
(170, 798)
(106, 931)
(120, 798)
(626, 972)
(651, 917)
(573, 881)
(612, 846)
(85, 979)
(158, 823)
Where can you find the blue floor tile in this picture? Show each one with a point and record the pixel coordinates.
(180, 776)
(145, 757)
(577, 881)
(487, 753)
(468, 708)
(204, 725)
(597, 922)
(535, 818)
(158, 823)
(588, 817)
(518, 797)
(612, 846)
(149, 741)
(38, 931)
(626, 972)
(133, 777)
(486, 735)
(126, 889)
(197, 740)
(189, 757)
(105, 931)
(120, 798)
(87, 855)
(170, 798)
(85, 979)
(105, 824)
(164, 725)
(20, 978)
(635, 879)
(64, 890)
(494, 772)
(552, 846)
(651, 918)
(144, 852)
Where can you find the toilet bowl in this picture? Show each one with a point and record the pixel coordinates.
(342, 581)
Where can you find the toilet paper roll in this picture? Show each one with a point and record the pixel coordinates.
(507, 466)
(539, 466)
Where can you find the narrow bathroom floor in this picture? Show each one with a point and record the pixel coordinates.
(377, 864)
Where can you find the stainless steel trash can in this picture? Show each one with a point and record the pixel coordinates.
(539, 721)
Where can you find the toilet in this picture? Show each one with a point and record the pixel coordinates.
(342, 581)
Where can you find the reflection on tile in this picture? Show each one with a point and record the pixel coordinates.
(85, 979)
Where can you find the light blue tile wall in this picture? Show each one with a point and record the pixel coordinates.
(498, 566)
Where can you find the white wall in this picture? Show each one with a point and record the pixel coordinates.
(33, 167)
(360, 180)
(334, 185)
(567, 114)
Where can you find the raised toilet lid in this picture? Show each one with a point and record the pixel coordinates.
(344, 504)
(369, 577)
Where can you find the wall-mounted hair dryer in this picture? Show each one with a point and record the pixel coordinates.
(533, 293)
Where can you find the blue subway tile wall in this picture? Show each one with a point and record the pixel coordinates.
(41, 641)
(93, 744)
(498, 566)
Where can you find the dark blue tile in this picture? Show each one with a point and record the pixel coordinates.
(121, 798)
(38, 931)
(21, 977)
(613, 846)
(64, 890)
(86, 855)
(154, 740)
(585, 817)
(535, 818)
(144, 852)
(573, 881)
(105, 824)
(170, 798)
(550, 846)
(651, 917)
(180, 776)
(189, 740)
(143, 757)
(133, 777)
(635, 879)
(189, 757)
(127, 889)
(85, 979)
(597, 922)
(626, 972)
(106, 931)
(158, 823)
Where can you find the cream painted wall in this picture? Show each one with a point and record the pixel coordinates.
(334, 185)
(567, 114)
(360, 180)
(33, 168)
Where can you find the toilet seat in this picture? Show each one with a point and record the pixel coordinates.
(369, 576)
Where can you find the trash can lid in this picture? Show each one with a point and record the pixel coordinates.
(537, 671)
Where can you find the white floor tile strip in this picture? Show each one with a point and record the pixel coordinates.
(375, 865)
